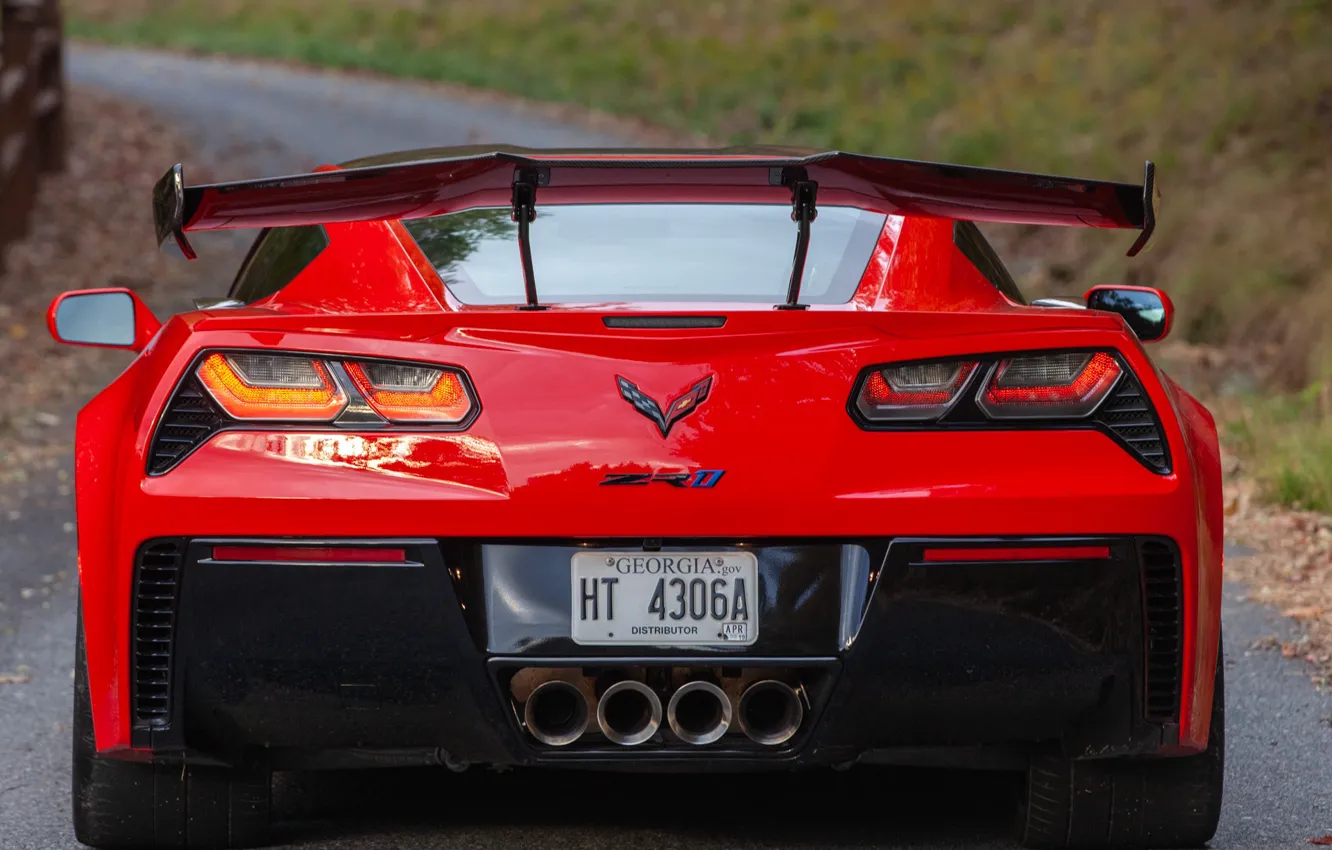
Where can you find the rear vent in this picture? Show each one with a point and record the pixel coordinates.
(1129, 416)
(156, 589)
(1163, 602)
(191, 418)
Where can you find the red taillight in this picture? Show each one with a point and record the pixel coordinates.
(957, 554)
(299, 388)
(913, 391)
(402, 392)
(272, 386)
(309, 554)
(1059, 385)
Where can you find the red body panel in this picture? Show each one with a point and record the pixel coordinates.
(553, 424)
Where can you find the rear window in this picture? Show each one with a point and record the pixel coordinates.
(649, 252)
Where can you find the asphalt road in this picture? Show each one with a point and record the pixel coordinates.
(251, 120)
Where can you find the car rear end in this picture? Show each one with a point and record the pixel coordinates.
(696, 536)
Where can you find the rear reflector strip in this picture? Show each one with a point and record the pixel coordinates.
(1018, 553)
(309, 554)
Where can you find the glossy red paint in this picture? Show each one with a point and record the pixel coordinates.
(146, 324)
(917, 266)
(1017, 553)
(370, 251)
(1202, 625)
(553, 424)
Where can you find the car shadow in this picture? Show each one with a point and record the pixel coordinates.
(864, 807)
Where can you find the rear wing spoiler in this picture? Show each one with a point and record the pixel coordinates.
(432, 187)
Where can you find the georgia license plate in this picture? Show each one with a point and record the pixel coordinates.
(666, 598)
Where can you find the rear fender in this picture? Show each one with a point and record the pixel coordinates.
(1203, 447)
(107, 455)
(1195, 449)
(101, 432)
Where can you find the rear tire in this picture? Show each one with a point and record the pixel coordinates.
(1166, 802)
(141, 804)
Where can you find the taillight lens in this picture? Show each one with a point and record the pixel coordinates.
(405, 393)
(913, 391)
(1061, 385)
(272, 387)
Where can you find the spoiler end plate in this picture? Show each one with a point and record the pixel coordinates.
(169, 214)
(1148, 209)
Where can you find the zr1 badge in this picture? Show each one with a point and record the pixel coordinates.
(704, 479)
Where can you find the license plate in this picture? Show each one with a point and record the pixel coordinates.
(665, 598)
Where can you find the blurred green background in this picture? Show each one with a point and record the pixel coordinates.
(1231, 98)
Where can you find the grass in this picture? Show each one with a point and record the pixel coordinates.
(1285, 441)
(1233, 100)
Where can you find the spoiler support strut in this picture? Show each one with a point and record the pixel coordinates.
(804, 196)
(525, 182)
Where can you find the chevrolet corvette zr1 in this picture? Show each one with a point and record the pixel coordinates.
(737, 460)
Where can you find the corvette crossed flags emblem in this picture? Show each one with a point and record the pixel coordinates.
(676, 409)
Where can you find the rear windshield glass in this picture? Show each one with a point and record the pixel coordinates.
(649, 252)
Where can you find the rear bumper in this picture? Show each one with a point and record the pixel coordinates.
(309, 664)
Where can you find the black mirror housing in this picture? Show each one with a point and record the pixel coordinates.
(1148, 312)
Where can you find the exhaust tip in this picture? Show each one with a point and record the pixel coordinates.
(699, 713)
(556, 713)
(770, 712)
(629, 713)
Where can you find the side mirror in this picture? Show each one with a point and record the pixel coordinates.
(1148, 312)
(106, 318)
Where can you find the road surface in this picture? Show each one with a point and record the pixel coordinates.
(252, 120)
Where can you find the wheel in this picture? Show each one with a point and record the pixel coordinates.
(1167, 802)
(140, 804)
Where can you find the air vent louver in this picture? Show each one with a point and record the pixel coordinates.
(190, 418)
(1129, 416)
(156, 590)
(1163, 603)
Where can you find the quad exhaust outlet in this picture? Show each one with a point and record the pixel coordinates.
(699, 713)
(556, 713)
(770, 712)
(661, 707)
(629, 713)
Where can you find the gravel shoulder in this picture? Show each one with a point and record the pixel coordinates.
(1280, 759)
(1290, 570)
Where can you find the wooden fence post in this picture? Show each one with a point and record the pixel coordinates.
(32, 108)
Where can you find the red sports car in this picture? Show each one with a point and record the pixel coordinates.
(700, 461)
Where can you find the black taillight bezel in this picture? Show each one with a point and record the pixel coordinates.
(965, 415)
